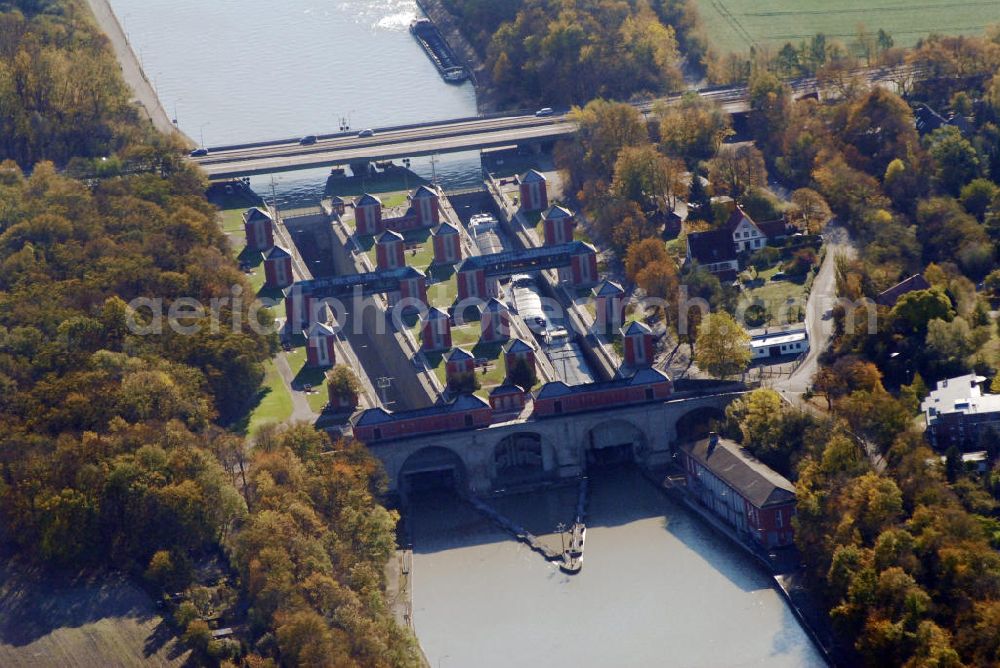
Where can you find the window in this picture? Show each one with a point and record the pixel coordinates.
(779, 522)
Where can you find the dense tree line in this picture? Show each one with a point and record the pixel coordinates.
(114, 451)
(906, 557)
(60, 96)
(559, 52)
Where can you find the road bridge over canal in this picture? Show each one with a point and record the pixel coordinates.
(463, 134)
(538, 449)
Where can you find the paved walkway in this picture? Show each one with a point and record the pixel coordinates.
(301, 411)
(132, 72)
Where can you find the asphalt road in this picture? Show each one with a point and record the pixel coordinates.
(819, 319)
(132, 72)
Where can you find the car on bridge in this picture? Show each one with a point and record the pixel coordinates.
(367, 132)
(307, 140)
(199, 152)
(545, 111)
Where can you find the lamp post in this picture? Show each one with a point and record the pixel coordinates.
(561, 528)
(201, 131)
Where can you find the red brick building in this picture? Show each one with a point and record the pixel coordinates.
(558, 398)
(447, 244)
(258, 227)
(390, 251)
(427, 206)
(609, 306)
(278, 268)
(494, 321)
(466, 411)
(750, 497)
(319, 345)
(583, 265)
(458, 362)
(508, 398)
(533, 190)
(368, 215)
(558, 225)
(436, 330)
(516, 351)
(638, 345)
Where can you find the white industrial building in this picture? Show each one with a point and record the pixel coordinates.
(778, 344)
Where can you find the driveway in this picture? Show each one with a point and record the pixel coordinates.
(819, 313)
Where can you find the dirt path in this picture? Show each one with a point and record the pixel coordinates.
(132, 72)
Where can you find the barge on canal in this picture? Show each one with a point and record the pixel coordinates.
(438, 50)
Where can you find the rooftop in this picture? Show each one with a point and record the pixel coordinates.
(734, 465)
(556, 211)
(517, 346)
(531, 176)
(608, 289)
(712, 246)
(462, 402)
(777, 338)
(366, 199)
(254, 214)
(277, 253)
(635, 328)
(890, 296)
(959, 395)
(641, 377)
(457, 355)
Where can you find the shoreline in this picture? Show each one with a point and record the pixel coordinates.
(131, 69)
(783, 583)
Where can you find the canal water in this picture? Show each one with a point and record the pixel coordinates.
(658, 587)
(233, 71)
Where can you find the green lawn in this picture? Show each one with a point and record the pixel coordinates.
(419, 249)
(491, 352)
(232, 220)
(304, 375)
(275, 400)
(736, 25)
(776, 295)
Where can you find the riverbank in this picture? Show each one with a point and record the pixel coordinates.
(447, 24)
(145, 94)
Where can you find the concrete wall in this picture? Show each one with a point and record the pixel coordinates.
(565, 440)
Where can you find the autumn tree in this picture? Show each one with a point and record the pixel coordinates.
(692, 129)
(648, 178)
(809, 210)
(604, 129)
(723, 347)
(737, 169)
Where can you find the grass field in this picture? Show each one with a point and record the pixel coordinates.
(47, 619)
(275, 404)
(736, 25)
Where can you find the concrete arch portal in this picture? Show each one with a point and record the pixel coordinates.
(431, 468)
(696, 424)
(615, 441)
(522, 457)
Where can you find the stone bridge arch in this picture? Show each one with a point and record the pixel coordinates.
(522, 457)
(697, 422)
(615, 441)
(431, 467)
